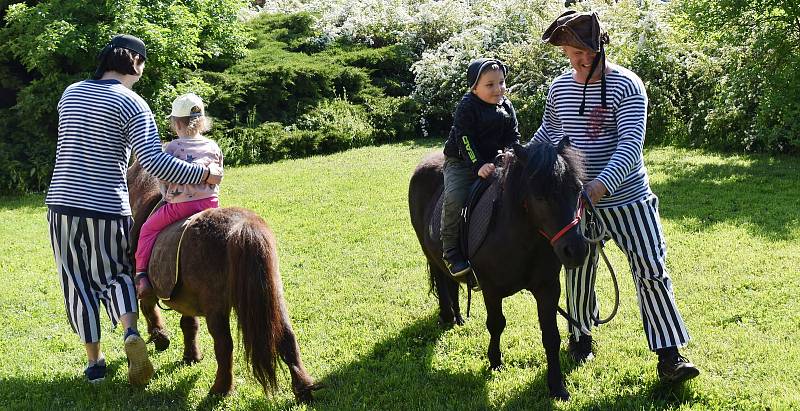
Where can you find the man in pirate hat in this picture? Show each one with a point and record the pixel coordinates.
(601, 109)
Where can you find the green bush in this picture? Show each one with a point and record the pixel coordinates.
(755, 104)
(340, 124)
(250, 145)
(46, 45)
(277, 103)
(389, 67)
(393, 119)
(277, 84)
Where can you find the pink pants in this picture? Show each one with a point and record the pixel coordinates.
(164, 216)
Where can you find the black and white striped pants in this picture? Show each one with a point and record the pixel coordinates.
(636, 228)
(94, 265)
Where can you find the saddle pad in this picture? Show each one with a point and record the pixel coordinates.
(162, 270)
(480, 217)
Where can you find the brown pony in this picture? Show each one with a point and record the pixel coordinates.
(227, 260)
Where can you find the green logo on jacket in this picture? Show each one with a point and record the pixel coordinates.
(468, 146)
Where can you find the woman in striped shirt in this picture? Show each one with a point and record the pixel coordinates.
(602, 110)
(99, 122)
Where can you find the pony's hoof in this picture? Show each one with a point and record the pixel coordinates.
(305, 395)
(446, 324)
(496, 367)
(192, 360)
(220, 391)
(560, 393)
(459, 320)
(160, 340)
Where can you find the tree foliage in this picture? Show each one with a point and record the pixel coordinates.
(46, 45)
(754, 48)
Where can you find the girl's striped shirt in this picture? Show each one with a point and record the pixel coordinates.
(99, 122)
(610, 138)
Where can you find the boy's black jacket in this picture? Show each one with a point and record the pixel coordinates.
(480, 129)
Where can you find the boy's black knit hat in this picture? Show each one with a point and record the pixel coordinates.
(120, 41)
(477, 67)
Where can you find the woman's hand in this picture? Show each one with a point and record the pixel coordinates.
(486, 170)
(214, 174)
(596, 190)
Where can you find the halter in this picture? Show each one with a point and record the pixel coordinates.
(597, 232)
(575, 221)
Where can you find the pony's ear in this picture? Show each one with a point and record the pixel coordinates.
(564, 143)
(520, 152)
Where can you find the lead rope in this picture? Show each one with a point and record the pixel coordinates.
(601, 231)
(597, 231)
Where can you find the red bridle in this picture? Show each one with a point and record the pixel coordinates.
(575, 221)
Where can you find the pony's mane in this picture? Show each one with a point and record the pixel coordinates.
(140, 181)
(541, 168)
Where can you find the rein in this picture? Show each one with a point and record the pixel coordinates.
(596, 226)
(597, 231)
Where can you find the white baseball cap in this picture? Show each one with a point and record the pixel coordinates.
(187, 105)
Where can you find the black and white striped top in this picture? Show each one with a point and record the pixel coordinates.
(610, 139)
(99, 121)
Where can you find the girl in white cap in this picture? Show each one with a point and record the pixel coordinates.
(188, 120)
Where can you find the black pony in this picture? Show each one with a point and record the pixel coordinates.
(534, 231)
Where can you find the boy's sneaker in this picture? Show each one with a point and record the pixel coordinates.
(96, 372)
(580, 348)
(456, 263)
(676, 369)
(140, 369)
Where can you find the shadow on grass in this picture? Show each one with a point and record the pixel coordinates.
(398, 374)
(75, 393)
(762, 194)
(653, 395)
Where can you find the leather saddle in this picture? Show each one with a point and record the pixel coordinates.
(476, 216)
(163, 268)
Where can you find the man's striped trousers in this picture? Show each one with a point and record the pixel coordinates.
(636, 229)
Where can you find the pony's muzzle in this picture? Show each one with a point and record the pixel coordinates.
(572, 249)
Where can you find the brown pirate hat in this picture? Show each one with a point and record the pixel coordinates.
(581, 30)
(577, 29)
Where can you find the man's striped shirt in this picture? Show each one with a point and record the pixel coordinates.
(610, 139)
(99, 121)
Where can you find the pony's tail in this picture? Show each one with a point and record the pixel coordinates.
(256, 296)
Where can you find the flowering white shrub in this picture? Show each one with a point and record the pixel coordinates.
(446, 34)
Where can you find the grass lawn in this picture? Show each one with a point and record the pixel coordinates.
(357, 290)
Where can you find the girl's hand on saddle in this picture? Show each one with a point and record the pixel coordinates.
(486, 170)
(596, 190)
(214, 174)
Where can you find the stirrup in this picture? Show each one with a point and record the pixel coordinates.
(456, 263)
